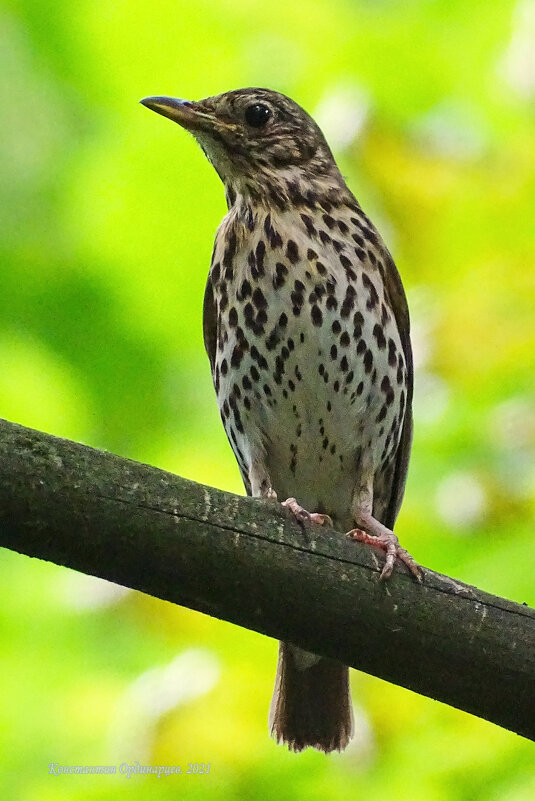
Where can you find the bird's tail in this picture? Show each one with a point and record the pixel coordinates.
(311, 703)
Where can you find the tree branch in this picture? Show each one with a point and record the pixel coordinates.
(249, 562)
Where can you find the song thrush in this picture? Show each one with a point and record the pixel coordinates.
(307, 330)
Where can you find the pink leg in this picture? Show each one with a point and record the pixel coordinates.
(374, 533)
(306, 517)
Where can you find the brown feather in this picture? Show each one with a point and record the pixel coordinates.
(311, 707)
(398, 302)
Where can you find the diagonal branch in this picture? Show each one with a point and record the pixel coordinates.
(247, 561)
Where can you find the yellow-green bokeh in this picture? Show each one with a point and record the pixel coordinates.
(107, 217)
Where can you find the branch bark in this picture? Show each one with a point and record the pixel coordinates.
(249, 562)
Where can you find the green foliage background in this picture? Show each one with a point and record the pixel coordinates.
(107, 216)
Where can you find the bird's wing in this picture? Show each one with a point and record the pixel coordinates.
(398, 304)
(209, 326)
(209, 323)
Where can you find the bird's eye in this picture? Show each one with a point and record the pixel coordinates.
(257, 115)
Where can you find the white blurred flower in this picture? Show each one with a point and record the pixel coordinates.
(451, 130)
(189, 676)
(341, 114)
(517, 65)
(461, 500)
(431, 397)
(84, 593)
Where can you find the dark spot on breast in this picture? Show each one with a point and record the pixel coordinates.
(215, 273)
(260, 253)
(281, 271)
(309, 225)
(368, 361)
(255, 375)
(392, 353)
(360, 388)
(345, 261)
(336, 327)
(275, 240)
(245, 290)
(331, 303)
(258, 299)
(230, 250)
(334, 352)
(379, 336)
(267, 390)
(344, 339)
(237, 356)
(297, 299)
(273, 340)
(259, 358)
(224, 367)
(316, 315)
(325, 238)
(349, 302)
(382, 414)
(328, 220)
(233, 317)
(344, 365)
(337, 245)
(373, 296)
(322, 270)
(370, 235)
(246, 382)
(292, 251)
(311, 254)
(358, 239)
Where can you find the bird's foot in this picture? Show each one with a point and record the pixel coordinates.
(306, 517)
(389, 543)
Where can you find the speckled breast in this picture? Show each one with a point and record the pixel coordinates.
(309, 370)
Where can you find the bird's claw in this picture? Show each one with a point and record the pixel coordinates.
(306, 517)
(390, 544)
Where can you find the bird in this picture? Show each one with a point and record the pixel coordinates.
(306, 327)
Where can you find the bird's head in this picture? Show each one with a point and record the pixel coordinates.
(259, 142)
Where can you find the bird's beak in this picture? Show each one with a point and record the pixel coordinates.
(185, 112)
